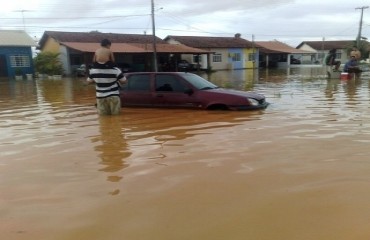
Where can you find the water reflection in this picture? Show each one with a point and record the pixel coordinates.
(179, 124)
(351, 87)
(332, 89)
(156, 130)
(236, 79)
(258, 170)
(16, 93)
(111, 146)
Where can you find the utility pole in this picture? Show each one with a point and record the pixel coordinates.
(360, 27)
(23, 21)
(155, 67)
(253, 53)
(322, 51)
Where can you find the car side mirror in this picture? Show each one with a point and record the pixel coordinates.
(189, 91)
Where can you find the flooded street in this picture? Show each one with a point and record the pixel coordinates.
(298, 170)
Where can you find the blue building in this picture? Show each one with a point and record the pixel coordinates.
(15, 53)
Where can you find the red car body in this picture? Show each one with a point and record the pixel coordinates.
(184, 90)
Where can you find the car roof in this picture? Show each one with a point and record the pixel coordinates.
(154, 73)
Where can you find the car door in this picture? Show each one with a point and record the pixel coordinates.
(172, 91)
(137, 91)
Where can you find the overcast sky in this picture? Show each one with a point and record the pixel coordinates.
(289, 21)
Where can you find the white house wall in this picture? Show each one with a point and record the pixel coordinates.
(310, 58)
(224, 64)
(172, 41)
(64, 59)
(307, 48)
(321, 54)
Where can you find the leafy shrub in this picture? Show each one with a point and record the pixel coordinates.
(48, 63)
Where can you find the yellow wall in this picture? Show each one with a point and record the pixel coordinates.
(51, 46)
(247, 63)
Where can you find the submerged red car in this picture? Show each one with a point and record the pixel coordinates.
(184, 90)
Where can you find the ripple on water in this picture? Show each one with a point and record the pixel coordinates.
(307, 149)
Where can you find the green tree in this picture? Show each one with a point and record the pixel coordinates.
(48, 63)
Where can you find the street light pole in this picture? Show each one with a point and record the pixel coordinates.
(155, 67)
(360, 27)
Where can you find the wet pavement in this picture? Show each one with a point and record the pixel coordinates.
(296, 170)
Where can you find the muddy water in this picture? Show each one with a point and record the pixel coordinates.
(298, 170)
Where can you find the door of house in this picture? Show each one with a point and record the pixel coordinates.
(3, 67)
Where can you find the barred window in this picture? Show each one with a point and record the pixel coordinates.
(236, 57)
(251, 57)
(217, 57)
(20, 61)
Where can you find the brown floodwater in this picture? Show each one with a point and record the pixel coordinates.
(298, 170)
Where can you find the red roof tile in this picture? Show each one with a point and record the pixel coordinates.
(278, 47)
(212, 42)
(327, 45)
(96, 37)
(134, 47)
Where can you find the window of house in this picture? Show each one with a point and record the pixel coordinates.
(251, 56)
(217, 57)
(20, 61)
(236, 57)
(196, 59)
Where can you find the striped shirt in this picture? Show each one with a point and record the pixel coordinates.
(106, 79)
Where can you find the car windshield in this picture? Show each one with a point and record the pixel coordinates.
(199, 82)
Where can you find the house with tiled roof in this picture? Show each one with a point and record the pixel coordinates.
(322, 48)
(15, 53)
(135, 50)
(226, 52)
(279, 54)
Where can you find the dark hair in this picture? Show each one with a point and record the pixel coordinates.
(105, 42)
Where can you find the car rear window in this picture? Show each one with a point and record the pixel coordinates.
(139, 82)
(168, 83)
(198, 82)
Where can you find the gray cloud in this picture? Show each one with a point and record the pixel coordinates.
(287, 20)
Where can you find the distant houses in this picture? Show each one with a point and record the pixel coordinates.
(226, 52)
(15, 53)
(279, 54)
(134, 52)
(322, 48)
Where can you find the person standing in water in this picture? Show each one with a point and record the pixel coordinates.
(107, 79)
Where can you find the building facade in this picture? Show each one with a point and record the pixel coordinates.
(16, 53)
(134, 52)
(226, 52)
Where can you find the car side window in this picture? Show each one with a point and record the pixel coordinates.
(138, 83)
(168, 83)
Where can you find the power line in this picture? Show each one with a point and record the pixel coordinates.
(78, 18)
(360, 27)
